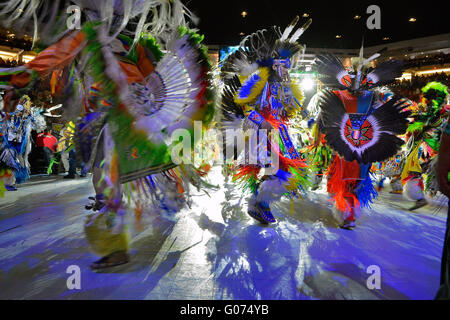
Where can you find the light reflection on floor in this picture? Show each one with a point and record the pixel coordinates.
(215, 251)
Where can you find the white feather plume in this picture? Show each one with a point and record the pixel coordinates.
(289, 29)
(300, 31)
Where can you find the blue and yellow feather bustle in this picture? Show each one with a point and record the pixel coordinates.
(252, 87)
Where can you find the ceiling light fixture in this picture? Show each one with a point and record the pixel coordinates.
(338, 36)
(244, 14)
(412, 19)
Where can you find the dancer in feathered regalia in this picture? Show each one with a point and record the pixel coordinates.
(15, 146)
(133, 93)
(259, 95)
(393, 170)
(318, 153)
(423, 136)
(360, 124)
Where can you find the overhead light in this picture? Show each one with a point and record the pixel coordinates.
(305, 15)
(338, 36)
(412, 19)
(242, 34)
(357, 17)
(386, 38)
(244, 14)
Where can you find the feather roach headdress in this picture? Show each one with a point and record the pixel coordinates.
(435, 93)
(265, 48)
(360, 75)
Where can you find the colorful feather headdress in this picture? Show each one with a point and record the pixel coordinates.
(436, 93)
(360, 75)
(265, 48)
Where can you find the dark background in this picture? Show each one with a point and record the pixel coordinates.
(221, 21)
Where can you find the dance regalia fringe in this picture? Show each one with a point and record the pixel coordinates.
(136, 98)
(292, 169)
(350, 185)
(349, 179)
(258, 93)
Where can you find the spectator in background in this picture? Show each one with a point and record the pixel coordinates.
(443, 169)
(411, 88)
(70, 129)
(48, 142)
(63, 145)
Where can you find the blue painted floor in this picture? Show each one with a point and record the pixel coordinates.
(215, 251)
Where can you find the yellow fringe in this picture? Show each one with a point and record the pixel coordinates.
(412, 163)
(102, 240)
(257, 87)
(2, 189)
(292, 184)
(297, 91)
(293, 108)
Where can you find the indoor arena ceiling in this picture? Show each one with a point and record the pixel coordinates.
(335, 24)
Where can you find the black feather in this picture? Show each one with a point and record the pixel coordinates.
(283, 47)
(230, 110)
(391, 117)
(329, 67)
(384, 73)
(391, 120)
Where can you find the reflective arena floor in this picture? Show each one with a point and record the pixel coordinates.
(213, 250)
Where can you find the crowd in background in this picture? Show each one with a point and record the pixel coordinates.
(411, 88)
(8, 63)
(437, 59)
